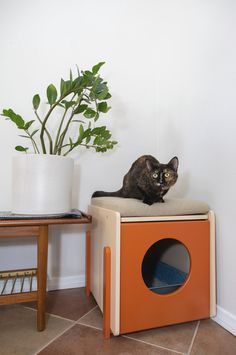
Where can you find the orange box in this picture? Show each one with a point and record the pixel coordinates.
(155, 271)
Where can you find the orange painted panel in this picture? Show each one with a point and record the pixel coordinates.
(144, 309)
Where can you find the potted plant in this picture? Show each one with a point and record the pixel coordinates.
(42, 177)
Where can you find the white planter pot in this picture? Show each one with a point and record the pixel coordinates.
(41, 184)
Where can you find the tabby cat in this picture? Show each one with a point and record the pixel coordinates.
(147, 180)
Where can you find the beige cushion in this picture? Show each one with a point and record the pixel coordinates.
(130, 207)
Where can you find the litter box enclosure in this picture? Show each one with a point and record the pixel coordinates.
(161, 267)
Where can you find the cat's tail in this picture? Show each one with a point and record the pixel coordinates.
(104, 193)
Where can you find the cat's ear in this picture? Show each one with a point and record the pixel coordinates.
(174, 163)
(149, 164)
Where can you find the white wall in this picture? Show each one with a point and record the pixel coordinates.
(171, 69)
(196, 113)
(40, 41)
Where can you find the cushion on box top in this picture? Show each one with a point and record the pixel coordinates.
(130, 207)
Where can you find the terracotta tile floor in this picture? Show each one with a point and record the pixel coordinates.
(74, 325)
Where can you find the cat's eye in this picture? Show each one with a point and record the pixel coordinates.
(167, 175)
(155, 175)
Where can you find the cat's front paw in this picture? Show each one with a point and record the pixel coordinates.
(148, 202)
(159, 200)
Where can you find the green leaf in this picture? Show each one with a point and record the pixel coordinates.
(96, 140)
(77, 85)
(106, 134)
(51, 94)
(97, 85)
(103, 107)
(23, 136)
(36, 101)
(96, 130)
(71, 143)
(88, 73)
(17, 119)
(71, 77)
(81, 130)
(96, 67)
(102, 94)
(34, 132)
(19, 148)
(80, 109)
(63, 87)
(28, 124)
(88, 139)
(68, 84)
(68, 104)
(107, 97)
(81, 135)
(80, 121)
(89, 113)
(87, 132)
(87, 80)
(78, 71)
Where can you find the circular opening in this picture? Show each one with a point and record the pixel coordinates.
(165, 266)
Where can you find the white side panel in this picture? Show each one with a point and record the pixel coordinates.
(212, 264)
(105, 231)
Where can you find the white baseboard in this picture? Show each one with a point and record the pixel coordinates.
(226, 319)
(58, 283)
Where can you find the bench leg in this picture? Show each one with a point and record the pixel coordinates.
(42, 275)
(106, 292)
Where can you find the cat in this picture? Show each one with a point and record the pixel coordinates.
(147, 180)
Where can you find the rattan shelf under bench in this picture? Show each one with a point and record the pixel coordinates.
(17, 286)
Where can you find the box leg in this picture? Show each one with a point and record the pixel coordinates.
(88, 263)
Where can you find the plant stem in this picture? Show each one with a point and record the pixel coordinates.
(36, 150)
(76, 145)
(43, 128)
(60, 127)
(59, 132)
(62, 137)
(46, 130)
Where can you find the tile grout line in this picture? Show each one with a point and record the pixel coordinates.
(52, 314)
(126, 336)
(60, 334)
(193, 338)
(89, 326)
(76, 322)
(86, 314)
(154, 345)
(68, 319)
(52, 340)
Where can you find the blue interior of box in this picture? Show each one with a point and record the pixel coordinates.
(167, 278)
